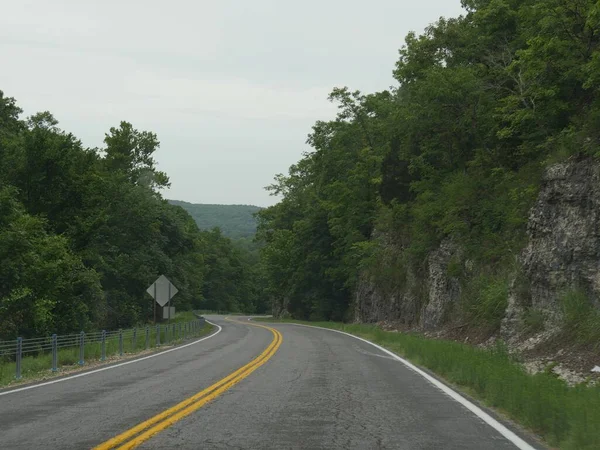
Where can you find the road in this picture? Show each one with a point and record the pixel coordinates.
(316, 390)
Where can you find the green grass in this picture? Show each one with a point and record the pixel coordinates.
(485, 300)
(533, 320)
(223, 313)
(40, 365)
(184, 316)
(566, 417)
(581, 319)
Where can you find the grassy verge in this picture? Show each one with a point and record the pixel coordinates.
(184, 316)
(565, 417)
(222, 313)
(39, 366)
(582, 320)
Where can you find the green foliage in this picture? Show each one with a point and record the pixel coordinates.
(234, 221)
(454, 268)
(485, 299)
(455, 150)
(129, 152)
(232, 280)
(533, 320)
(83, 233)
(581, 319)
(45, 286)
(566, 417)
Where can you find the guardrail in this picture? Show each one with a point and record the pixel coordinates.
(35, 353)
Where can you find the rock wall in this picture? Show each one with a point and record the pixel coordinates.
(416, 302)
(399, 304)
(563, 251)
(443, 289)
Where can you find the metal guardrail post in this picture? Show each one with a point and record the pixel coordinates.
(147, 337)
(179, 330)
(81, 349)
(54, 353)
(18, 357)
(158, 335)
(103, 346)
(134, 338)
(121, 342)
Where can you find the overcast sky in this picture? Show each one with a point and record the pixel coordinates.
(232, 88)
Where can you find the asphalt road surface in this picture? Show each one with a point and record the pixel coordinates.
(318, 390)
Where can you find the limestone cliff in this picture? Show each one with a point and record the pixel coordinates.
(562, 252)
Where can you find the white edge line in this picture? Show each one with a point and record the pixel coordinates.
(102, 369)
(508, 434)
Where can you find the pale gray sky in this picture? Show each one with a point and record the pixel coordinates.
(231, 87)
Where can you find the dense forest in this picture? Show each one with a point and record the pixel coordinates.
(234, 221)
(83, 233)
(455, 150)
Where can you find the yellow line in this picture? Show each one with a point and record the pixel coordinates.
(193, 403)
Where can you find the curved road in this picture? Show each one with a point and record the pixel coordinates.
(320, 390)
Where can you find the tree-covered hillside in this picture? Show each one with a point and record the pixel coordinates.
(453, 152)
(83, 233)
(234, 221)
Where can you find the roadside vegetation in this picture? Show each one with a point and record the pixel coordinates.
(565, 417)
(453, 152)
(581, 319)
(84, 232)
(38, 366)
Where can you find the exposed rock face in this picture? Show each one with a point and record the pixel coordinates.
(414, 302)
(562, 253)
(399, 305)
(563, 250)
(443, 289)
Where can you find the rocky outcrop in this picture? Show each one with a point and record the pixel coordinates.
(399, 304)
(562, 252)
(443, 287)
(413, 301)
(563, 249)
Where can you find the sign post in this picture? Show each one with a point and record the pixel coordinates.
(162, 290)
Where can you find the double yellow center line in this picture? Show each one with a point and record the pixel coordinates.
(145, 430)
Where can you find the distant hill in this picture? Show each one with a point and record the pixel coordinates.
(235, 221)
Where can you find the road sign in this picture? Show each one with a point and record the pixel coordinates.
(168, 312)
(162, 290)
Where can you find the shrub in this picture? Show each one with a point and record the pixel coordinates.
(581, 318)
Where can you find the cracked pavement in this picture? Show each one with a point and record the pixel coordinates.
(321, 390)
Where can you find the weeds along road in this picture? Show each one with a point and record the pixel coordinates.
(250, 386)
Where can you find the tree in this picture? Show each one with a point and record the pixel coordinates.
(454, 151)
(44, 286)
(129, 152)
